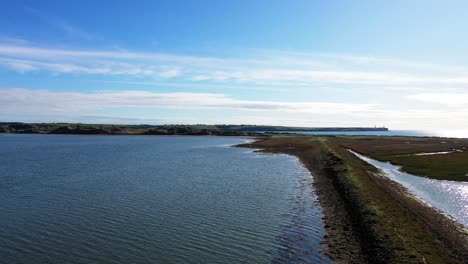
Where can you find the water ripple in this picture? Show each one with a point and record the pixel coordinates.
(98, 199)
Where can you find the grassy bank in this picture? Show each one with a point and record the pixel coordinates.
(368, 218)
(401, 151)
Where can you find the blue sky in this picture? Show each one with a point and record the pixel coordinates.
(402, 64)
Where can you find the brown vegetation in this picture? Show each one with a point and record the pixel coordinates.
(368, 218)
(400, 151)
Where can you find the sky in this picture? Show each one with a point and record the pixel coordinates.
(399, 64)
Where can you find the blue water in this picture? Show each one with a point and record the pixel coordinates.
(149, 199)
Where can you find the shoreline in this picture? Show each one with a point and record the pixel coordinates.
(414, 191)
(132, 135)
(358, 203)
(340, 240)
(174, 129)
(368, 217)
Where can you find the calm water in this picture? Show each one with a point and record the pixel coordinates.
(413, 133)
(124, 199)
(448, 196)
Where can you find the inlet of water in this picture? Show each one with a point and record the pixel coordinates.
(148, 199)
(450, 197)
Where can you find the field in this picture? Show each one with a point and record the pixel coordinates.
(370, 219)
(403, 151)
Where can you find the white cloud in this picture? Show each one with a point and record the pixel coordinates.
(170, 73)
(25, 100)
(13, 40)
(44, 105)
(102, 68)
(195, 86)
(341, 78)
(19, 66)
(295, 69)
(452, 99)
(68, 54)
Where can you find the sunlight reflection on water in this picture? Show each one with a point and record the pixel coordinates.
(452, 133)
(448, 196)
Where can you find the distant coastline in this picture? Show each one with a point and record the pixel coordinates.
(189, 130)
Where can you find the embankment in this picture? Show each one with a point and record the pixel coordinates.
(365, 222)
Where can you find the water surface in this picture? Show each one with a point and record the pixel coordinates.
(409, 133)
(450, 197)
(150, 199)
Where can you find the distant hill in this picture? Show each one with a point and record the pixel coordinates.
(289, 129)
(215, 130)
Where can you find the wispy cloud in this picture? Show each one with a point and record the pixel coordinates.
(263, 68)
(170, 73)
(60, 24)
(45, 105)
(18, 65)
(102, 68)
(195, 86)
(17, 100)
(449, 99)
(13, 40)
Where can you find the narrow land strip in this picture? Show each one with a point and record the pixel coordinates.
(369, 218)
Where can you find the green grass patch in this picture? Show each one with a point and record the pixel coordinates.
(401, 151)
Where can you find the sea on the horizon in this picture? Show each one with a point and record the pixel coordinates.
(412, 133)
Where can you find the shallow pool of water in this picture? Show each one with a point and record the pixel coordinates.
(448, 196)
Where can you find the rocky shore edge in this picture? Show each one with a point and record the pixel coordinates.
(368, 217)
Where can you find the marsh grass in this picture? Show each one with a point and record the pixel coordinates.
(392, 226)
(400, 151)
